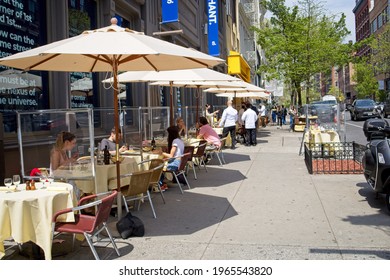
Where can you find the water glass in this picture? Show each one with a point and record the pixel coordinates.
(16, 179)
(8, 182)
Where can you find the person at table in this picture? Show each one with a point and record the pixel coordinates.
(175, 148)
(228, 122)
(250, 118)
(181, 126)
(110, 142)
(65, 143)
(207, 133)
(210, 115)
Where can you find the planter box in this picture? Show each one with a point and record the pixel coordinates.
(334, 158)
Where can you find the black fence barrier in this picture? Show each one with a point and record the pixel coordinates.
(334, 158)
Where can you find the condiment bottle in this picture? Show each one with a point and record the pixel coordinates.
(32, 187)
(153, 143)
(28, 187)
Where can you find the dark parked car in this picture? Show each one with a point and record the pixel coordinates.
(363, 109)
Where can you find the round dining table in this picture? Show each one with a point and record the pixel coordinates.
(27, 215)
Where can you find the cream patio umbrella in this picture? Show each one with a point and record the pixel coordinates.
(198, 85)
(245, 94)
(189, 77)
(110, 49)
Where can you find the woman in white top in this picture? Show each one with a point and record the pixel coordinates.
(175, 148)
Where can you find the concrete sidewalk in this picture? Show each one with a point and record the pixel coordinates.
(263, 204)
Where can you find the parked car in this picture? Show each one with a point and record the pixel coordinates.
(363, 109)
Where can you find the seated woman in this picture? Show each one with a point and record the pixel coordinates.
(175, 148)
(207, 133)
(65, 142)
(181, 126)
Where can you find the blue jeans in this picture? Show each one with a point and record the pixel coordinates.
(172, 166)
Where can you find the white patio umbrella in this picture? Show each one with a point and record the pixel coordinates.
(110, 49)
(198, 85)
(253, 95)
(173, 78)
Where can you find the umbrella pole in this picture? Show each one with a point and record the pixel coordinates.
(197, 108)
(171, 103)
(116, 124)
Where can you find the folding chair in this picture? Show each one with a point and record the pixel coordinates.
(218, 152)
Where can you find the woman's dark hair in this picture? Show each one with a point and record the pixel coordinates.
(203, 120)
(173, 133)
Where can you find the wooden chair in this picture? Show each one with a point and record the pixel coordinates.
(89, 226)
(181, 170)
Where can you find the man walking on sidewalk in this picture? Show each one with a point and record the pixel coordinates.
(228, 122)
(249, 118)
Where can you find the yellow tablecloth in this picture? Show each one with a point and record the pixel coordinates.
(85, 181)
(26, 215)
(318, 136)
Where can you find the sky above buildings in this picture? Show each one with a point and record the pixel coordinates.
(336, 7)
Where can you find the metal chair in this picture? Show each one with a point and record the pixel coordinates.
(137, 189)
(181, 170)
(157, 167)
(199, 155)
(218, 152)
(89, 226)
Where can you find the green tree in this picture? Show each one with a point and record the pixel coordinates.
(300, 42)
(366, 83)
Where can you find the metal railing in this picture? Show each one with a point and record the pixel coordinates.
(334, 158)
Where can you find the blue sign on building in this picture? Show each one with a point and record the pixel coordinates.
(213, 42)
(170, 11)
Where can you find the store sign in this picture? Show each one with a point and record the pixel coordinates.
(170, 11)
(20, 25)
(212, 12)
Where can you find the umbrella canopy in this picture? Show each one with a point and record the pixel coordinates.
(110, 49)
(194, 77)
(198, 85)
(254, 95)
(244, 87)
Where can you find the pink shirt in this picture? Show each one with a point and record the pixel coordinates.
(208, 134)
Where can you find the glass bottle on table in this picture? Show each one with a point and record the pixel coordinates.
(153, 143)
(106, 155)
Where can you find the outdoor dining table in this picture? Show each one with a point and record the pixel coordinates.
(27, 215)
(104, 173)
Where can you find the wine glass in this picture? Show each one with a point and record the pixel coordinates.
(8, 182)
(16, 179)
(50, 179)
(43, 179)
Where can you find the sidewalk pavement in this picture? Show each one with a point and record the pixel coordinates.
(263, 204)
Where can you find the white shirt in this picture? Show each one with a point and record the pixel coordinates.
(250, 118)
(262, 111)
(229, 117)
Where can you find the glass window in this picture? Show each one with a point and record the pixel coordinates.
(82, 16)
(22, 27)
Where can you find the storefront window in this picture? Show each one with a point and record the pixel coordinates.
(22, 27)
(82, 16)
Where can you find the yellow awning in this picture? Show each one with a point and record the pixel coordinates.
(238, 66)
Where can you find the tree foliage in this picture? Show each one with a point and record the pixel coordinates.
(380, 46)
(301, 41)
(366, 83)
